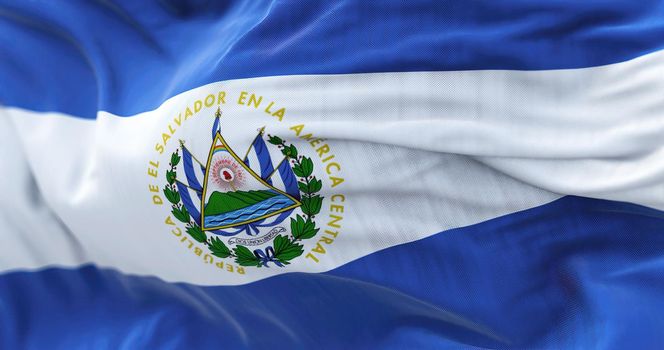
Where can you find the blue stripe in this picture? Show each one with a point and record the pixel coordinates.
(79, 57)
(190, 172)
(264, 159)
(188, 203)
(575, 273)
(215, 128)
(289, 180)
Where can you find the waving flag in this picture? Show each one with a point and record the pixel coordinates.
(331, 174)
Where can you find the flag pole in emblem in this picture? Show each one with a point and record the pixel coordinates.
(216, 127)
(276, 168)
(184, 149)
(260, 134)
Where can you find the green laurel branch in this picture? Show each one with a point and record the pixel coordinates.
(193, 229)
(287, 248)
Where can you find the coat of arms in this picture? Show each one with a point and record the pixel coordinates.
(239, 208)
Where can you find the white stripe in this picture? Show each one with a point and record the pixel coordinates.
(253, 161)
(421, 153)
(31, 233)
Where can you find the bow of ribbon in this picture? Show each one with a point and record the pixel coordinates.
(267, 256)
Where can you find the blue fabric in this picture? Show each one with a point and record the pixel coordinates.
(187, 202)
(190, 173)
(127, 57)
(576, 273)
(216, 128)
(264, 159)
(289, 180)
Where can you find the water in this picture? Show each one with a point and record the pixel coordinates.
(267, 206)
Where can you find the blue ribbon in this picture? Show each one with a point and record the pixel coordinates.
(267, 256)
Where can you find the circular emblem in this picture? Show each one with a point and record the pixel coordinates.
(252, 210)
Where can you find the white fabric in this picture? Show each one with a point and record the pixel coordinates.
(420, 153)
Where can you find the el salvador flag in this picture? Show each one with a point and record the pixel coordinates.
(395, 174)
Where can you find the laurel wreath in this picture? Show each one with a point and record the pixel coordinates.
(285, 247)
